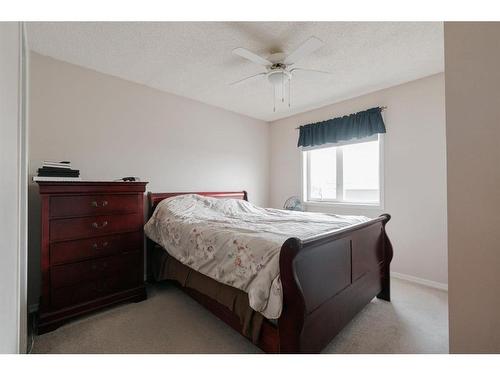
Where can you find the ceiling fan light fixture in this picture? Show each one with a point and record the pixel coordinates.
(278, 77)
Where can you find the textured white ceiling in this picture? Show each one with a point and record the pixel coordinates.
(194, 59)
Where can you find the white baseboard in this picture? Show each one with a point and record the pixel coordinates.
(418, 280)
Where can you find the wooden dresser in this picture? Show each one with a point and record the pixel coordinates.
(92, 249)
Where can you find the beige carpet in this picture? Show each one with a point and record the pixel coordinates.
(416, 321)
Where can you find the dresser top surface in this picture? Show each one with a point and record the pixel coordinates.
(55, 187)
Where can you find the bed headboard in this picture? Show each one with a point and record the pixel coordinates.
(155, 198)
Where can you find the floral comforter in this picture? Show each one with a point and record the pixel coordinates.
(236, 242)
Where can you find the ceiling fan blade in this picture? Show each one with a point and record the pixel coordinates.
(306, 48)
(309, 71)
(253, 57)
(247, 79)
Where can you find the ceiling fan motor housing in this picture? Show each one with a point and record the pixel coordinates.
(277, 57)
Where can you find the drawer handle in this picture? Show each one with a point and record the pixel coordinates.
(96, 204)
(97, 226)
(96, 246)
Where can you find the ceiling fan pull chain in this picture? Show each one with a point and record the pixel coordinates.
(274, 98)
(289, 92)
(282, 88)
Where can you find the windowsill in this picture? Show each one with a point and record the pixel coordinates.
(359, 206)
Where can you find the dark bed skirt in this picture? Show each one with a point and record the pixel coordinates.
(203, 288)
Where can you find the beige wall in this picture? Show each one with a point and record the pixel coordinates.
(110, 128)
(472, 66)
(415, 171)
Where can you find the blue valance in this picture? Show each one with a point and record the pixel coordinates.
(358, 125)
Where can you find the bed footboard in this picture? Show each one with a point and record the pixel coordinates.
(328, 279)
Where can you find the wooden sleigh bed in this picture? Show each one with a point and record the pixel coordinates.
(326, 281)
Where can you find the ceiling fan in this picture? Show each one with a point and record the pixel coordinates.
(280, 67)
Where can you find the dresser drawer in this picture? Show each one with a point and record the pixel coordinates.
(84, 292)
(85, 205)
(81, 272)
(73, 251)
(65, 229)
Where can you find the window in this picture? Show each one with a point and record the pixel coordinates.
(344, 173)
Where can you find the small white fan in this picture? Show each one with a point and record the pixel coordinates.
(293, 204)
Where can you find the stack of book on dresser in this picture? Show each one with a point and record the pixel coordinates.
(57, 171)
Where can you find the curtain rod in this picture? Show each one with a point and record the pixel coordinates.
(382, 108)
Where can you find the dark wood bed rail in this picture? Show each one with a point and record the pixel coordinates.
(338, 233)
(326, 280)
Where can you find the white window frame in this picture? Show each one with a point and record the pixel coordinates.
(335, 202)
